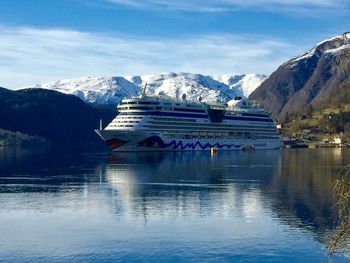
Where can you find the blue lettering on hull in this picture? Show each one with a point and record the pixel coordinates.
(156, 141)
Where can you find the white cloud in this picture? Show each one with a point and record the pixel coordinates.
(227, 5)
(30, 56)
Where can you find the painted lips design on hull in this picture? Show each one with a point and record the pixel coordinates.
(156, 141)
(115, 143)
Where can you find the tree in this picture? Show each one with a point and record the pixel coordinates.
(340, 240)
(287, 118)
(310, 111)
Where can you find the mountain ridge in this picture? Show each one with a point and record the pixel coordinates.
(52, 115)
(111, 90)
(307, 80)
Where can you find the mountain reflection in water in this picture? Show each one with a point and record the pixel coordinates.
(292, 184)
(176, 184)
(271, 206)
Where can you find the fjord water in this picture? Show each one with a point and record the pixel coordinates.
(263, 206)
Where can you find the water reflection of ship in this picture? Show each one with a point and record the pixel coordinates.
(188, 183)
(295, 186)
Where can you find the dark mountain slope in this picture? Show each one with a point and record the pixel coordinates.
(50, 114)
(307, 80)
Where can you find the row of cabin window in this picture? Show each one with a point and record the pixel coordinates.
(140, 102)
(219, 137)
(138, 118)
(117, 121)
(173, 119)
(156, 103)
(118, 126)
(209, 126)
(161, 108)
(206, 128)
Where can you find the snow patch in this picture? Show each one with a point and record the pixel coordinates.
(243, 85)
(102, 90)
(337, 50)
(329, 46)
(111, 90)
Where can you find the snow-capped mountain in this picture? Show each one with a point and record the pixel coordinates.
(193, 85)
(317, 77)
(328, 47)
(110, 90)
(101, 90)
(243, 85)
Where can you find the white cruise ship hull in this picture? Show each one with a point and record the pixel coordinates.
(163, 124)
(142, 141)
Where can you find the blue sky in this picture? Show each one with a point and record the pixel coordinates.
(44, 40)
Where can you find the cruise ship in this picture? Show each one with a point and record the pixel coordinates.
(161, 123)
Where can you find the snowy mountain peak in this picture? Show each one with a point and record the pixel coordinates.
(102, 90)
(244, 85)
(316, 79)
(329, 46)
(193, 85)
(111, 90)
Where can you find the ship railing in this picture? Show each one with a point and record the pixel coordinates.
(253, 105)
(164, 98)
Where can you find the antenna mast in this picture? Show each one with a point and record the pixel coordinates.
(144, 90)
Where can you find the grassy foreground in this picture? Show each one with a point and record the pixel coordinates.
(339, 241)
(318, 125)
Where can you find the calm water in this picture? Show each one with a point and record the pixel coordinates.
(263, 206)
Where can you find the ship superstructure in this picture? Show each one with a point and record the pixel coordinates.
(160, 123)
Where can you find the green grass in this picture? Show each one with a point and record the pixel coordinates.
(316, 124)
